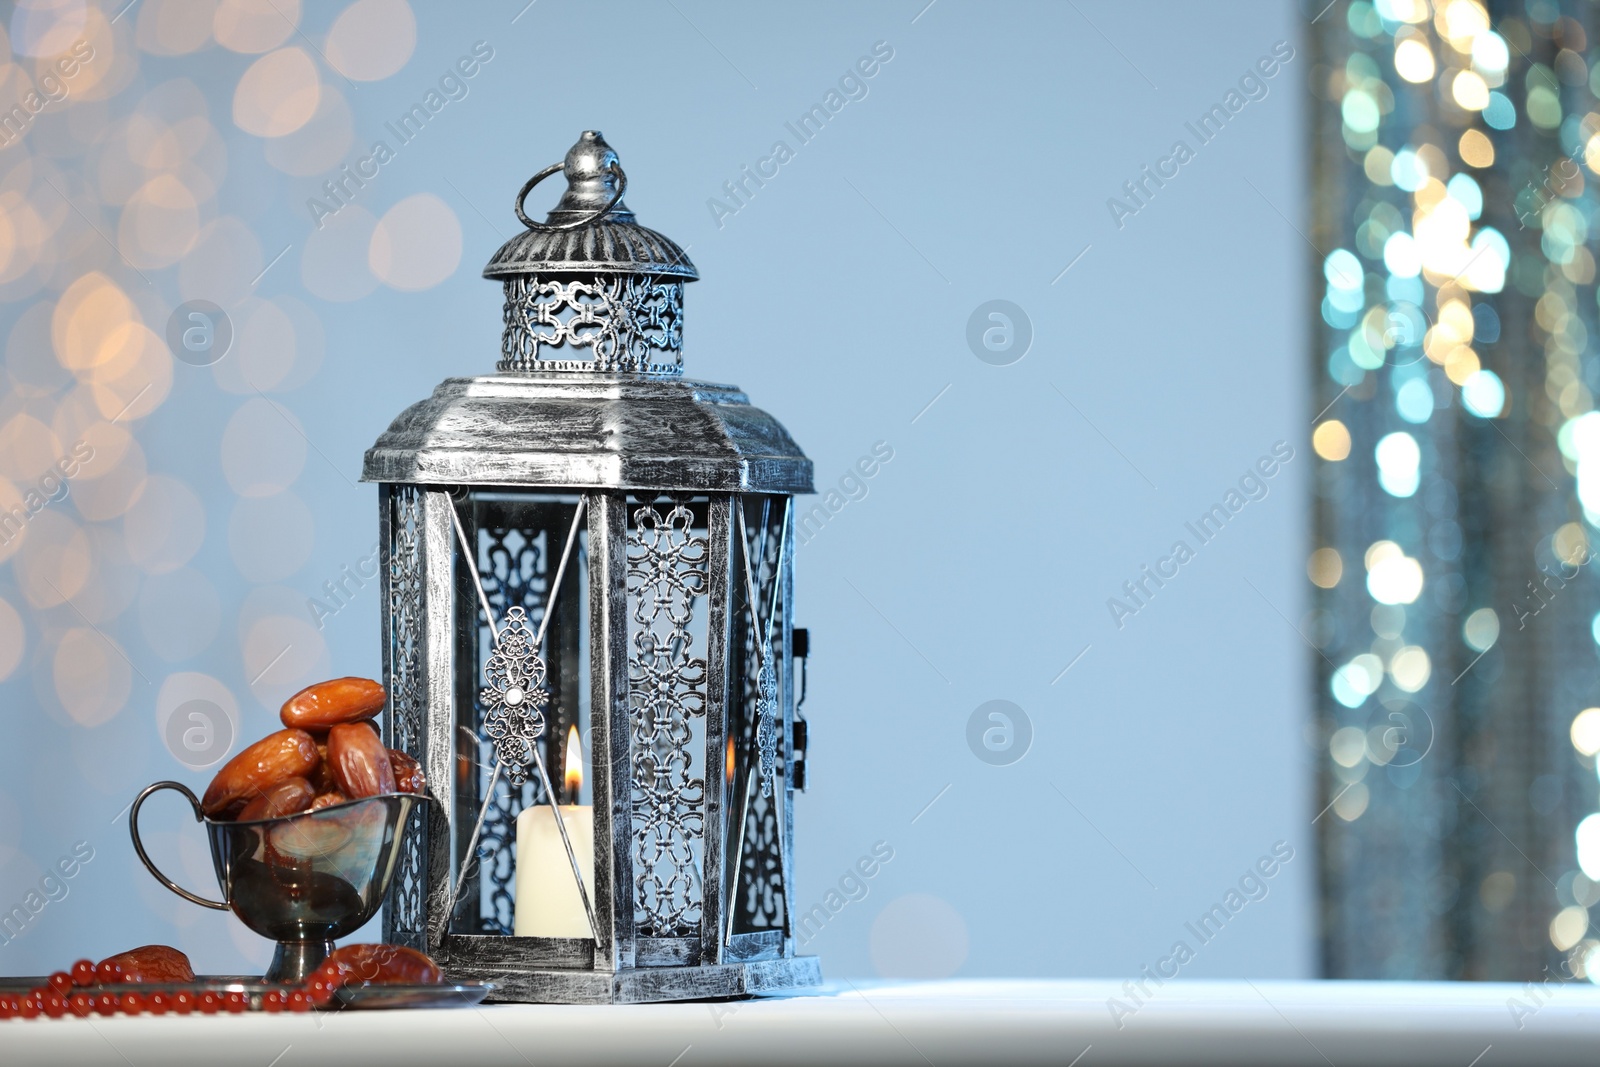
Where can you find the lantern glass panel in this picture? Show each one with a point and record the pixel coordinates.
(759, 901)
(518, 538)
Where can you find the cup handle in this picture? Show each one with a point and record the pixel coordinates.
(138, 846)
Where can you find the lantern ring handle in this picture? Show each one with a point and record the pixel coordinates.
(622, 184)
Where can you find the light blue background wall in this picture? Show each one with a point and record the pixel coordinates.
(977, 567)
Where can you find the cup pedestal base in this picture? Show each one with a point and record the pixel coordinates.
(294, 961)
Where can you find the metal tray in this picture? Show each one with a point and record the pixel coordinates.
(353, 997)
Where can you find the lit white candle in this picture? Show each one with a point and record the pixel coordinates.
(548, 904)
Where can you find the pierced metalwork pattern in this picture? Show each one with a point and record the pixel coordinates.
(515, 697)
(514, 565)
(406, 702)
(630, 322)
(667, 573)
(766, 719)
(760, 900)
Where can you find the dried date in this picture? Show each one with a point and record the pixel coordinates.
(148, 963)
(359, 762)
(407, 773)
(328, 704)
(285, 754)
(288, 797)
(381, 965)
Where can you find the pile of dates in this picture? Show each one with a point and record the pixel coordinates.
(327, 753)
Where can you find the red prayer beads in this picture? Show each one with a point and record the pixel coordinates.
(75, 992)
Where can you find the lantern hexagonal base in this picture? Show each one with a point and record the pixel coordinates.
(644, 985)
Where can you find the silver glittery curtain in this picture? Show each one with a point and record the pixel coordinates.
(1458, 484)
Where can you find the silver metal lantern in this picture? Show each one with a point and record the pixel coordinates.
(641, 523)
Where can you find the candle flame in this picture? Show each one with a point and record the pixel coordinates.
(729, 771)
(574, 764)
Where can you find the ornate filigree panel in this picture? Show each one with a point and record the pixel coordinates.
(514, 564)
(630, 322)
(759, 901)
(404, 914)
(515, 696)
(667, 575)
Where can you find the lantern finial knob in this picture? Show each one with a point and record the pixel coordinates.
(594, 182)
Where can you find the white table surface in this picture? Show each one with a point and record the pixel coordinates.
(922, 1024)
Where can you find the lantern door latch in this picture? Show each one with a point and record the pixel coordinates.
(800, 648)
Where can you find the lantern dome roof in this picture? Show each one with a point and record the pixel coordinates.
(615, 432)
(590, 231)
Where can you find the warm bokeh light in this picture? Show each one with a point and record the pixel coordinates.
(416, 244)
(1481, 629)
(1411, 668)
(1476, 149)
(93, 676)
(265, 346)
(282, 651)
(46, 27)
(137, 377)
(1392, 576)
(54, 562)
(254, 26)
(159, 223)
(1586, 731)
(1570, 544)
(1569, 927)
(1461, 21)
(1352, 803)
(89, 312)
(319, 146)
(28, 448)
(278, 94)
(1348, 746)
(1331, 440)
(1470, 90)
(1325, 568)
(1460, 364)
(1357, 680)
(1413, 61)
(1587, 837)
(263, 448)
(13, 639)
(372, 39)
(1399, 462)
(173, 27)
